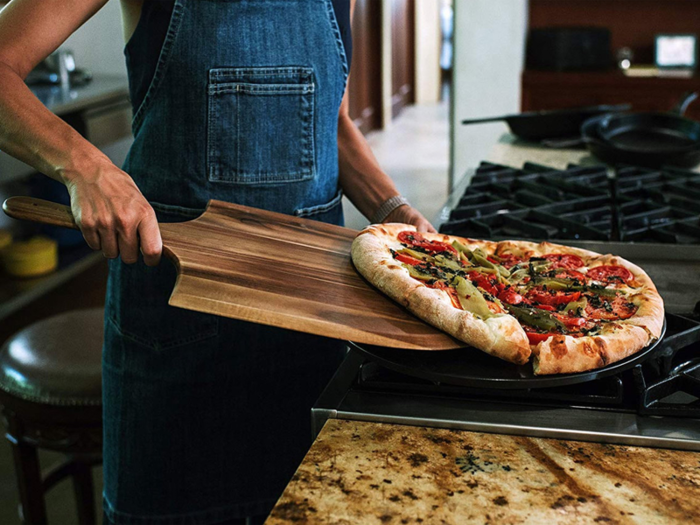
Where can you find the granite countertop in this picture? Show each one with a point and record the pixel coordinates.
(512, 151)
(375, 473)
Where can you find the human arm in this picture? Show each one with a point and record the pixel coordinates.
(106, 203)
(361, 177)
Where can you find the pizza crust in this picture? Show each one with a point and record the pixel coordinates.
(502, 335)
(564, 354)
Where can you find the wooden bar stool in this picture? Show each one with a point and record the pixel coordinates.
(51, 394)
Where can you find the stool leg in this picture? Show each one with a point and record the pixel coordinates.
(84, 493)
(31, 492)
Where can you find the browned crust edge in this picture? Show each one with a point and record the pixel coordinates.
(503, 336)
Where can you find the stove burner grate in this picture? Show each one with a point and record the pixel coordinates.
(666, 384)
(579, 203)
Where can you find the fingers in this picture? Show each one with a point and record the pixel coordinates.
(91, 235)
(128, 246)
(151, 242)
(424, 226)
(108, 243)
(123, 234)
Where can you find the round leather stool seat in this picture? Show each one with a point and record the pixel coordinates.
(56, 361)
(50, 394)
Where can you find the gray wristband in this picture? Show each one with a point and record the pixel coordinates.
(387, 207)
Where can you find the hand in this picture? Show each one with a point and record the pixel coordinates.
(113, 214)
(409, 215)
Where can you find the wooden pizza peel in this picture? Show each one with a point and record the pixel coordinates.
(272, 269)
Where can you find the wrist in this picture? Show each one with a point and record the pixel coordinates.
(82, 166)
(387, 208)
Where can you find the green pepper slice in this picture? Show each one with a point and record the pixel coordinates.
(536, 318)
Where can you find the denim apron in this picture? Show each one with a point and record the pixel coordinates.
(206, 418)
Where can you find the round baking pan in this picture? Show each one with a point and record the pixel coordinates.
(471, 367)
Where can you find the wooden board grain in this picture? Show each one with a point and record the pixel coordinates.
(277, 270)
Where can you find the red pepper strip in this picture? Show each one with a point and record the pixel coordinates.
(417, 240)
(483, 282)
(454, 297)
(545, 307)
(535, 337)
(571, 322)
(407, 259)
(564, 260)
(554, 299)
(510, 296)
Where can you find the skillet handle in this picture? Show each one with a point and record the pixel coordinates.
(38, 210)
(485, 120)
(684, 102)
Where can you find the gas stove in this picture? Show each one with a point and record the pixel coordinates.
(629, 204)
(650, 217)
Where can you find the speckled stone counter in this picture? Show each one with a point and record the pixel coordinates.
(358, 472)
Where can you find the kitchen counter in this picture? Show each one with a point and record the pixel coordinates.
(101, 90)
(360, 472)
(512, 151)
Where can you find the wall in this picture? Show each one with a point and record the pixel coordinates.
(428, 41)
(489, 50)
(99, 44)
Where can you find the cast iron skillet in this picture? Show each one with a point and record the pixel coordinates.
(646, 132)
(473, 368)
(550, 124)
(652, 157)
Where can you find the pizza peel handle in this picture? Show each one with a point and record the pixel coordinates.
(273, 269)
(38, 210)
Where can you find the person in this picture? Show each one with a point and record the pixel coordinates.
(205, 419)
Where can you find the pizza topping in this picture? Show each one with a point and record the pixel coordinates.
(578, 306)
(416, 240)
(565, 273)
(510, 296)
(471, 299)
(610, 274)
(537, 318)
(553, 298)
(406, 259)
(618, 308)
(507, 260)
(564, 260)
(537, 337)
(545, 307)
(547, 294)
(571, 322)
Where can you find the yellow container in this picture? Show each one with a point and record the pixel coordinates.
(37, 256)
(5, 239)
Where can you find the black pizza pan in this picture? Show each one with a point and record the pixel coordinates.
(471, 367)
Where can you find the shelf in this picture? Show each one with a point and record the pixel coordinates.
(16, 293)
(553, 90)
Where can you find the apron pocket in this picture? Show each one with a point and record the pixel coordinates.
(260, 126)
(330, 212)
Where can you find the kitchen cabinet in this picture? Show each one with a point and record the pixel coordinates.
(403, 55)
(633, 24)
(365, 82)
(552, 90)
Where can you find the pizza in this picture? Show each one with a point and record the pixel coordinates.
(567, 309)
